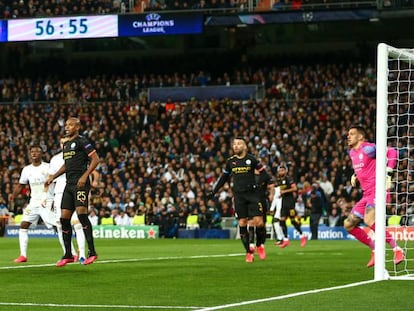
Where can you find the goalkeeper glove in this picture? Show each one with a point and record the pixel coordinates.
(354, 180)
(388, 178)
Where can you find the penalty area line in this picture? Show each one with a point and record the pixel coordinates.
(314, 291)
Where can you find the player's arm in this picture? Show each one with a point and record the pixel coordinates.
(271, 190)
(293, 188)
(221, 181)
(94, 161)
(17, 189)
(392, 157)
(95, 177)
(52, 177)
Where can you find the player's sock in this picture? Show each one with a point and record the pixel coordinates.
(260, 235)
(388, 237)
(363, 237)
(244, 237)
(87, 230)
(284, 227)
(23, 241)
(67, 236)
(297, 226)
(251, 237)
(278, 230)
(80, 238)
(60, 236)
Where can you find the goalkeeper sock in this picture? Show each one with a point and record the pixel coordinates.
(388, 237)
(363, 237)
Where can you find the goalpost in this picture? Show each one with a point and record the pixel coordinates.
(395, 128)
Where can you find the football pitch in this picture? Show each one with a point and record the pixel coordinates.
(197, 274)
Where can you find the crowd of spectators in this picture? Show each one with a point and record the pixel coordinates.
(160, 159)
(48, 8)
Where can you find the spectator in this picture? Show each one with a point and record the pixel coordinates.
(315, 205)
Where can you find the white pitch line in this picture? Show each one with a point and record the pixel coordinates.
(314, 291)
(28, 304)
(126, 260)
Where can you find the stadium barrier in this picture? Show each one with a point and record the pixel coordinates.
(99, 232)
(204, 234)
(400, 233)
(3, 222)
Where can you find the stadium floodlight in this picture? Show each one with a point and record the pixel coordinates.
(395, 128)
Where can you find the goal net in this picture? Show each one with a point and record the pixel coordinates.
(395, 128)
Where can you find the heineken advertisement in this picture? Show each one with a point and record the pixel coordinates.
(125, 232)
(99, 232)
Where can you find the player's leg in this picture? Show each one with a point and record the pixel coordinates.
(261, 224)
(369, 219)
(284, 213)
(256, 211)
(81, 203)
(261, 236)
(297, 225)
(23, 241)
(67, 209)
(30, 216)
(351, 224)
(241, 208)
(279, 235)
(57, 206)
(251, 232)
(80, 236)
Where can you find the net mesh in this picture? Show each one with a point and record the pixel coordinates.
(400, 214)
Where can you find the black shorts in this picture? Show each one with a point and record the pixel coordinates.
(74, 197)
(247, 204)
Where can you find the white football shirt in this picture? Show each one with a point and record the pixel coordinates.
(55, 164)
(35, 176)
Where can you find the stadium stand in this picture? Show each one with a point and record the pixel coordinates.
(148, 149)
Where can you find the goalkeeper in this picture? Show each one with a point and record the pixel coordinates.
(363, 157)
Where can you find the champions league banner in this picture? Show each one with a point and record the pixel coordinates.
(152, 24)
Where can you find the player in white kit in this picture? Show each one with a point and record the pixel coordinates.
(55, 193)
(35, 176)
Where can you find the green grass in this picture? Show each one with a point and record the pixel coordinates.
(192, 274)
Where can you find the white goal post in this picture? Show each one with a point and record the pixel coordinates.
(395, 128)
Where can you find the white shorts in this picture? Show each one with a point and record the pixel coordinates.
(57, 204)
(34, 210)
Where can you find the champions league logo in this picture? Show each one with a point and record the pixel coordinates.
(153, 24)
(248, 162)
